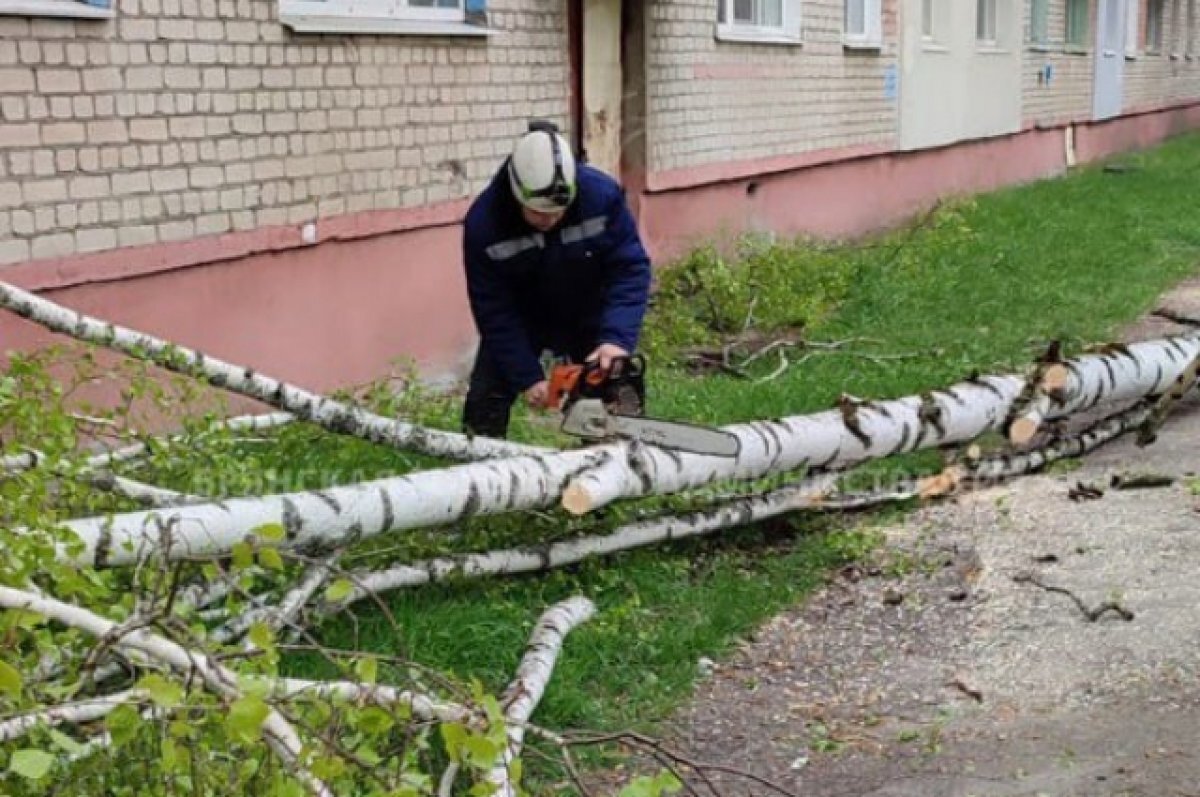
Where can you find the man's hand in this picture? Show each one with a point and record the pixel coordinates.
(537, 395)
(606, 353)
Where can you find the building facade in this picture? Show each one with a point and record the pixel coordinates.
(280, 183)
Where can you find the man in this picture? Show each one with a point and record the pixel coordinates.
(553, 262)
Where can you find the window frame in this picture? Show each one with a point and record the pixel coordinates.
(1069, 41)
(929, 21)
(992, 15)
(1153, 35)
(789, 31)
(1039, 18)
(63, 9)
(1133, 27)
(871, 36)
(379, 17)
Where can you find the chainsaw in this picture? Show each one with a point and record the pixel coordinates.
(602, 405)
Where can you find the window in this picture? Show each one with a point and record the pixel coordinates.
(1039, 21)
(1077, 23)
(928, 29)
(1114, 24)
(1133, 13)
(77, 9)
(776, 21)
(985, 21)
(1155, 11)
(445, 17)
(864, 23)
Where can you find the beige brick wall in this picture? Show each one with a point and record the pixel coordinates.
(1064, 94)
(712, 101)
(1171, 75)
(1150, 79)
(183, 118)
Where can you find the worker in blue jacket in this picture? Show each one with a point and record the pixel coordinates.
(553, 263)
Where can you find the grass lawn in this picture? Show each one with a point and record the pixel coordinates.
(985, 283)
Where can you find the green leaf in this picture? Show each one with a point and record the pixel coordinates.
(246, 717)
(270, 559)
(481, 750)
(367, 669)
(260, 635)
(65, 743)
(271, 531)
(454, 736)
(339, 590)
(32, 764)
(10, 679)
(170, 754)
(122, 724)
(243, 555)
(163, 692)
(375, 721)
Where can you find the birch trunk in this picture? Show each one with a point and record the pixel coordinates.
(738, 512)
(533, 673)
(305, 405)
(861, 431)
(1120, 374)
(83, 711)
(278, 733)
(831, 440)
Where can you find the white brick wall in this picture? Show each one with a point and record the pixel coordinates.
(712, 101)
(183, 118)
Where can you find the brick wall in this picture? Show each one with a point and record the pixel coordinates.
(186, 118)
(1169, 76)
(712, 101)
(1057, 82)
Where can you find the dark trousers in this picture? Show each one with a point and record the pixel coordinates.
(489, 401)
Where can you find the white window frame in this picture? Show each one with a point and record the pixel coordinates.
(376, 17)
(928, 20)
(1155, 23)
(993, 11)
(871, 37)
(1133, 25)
(1042, 6)
(68, 9)
(789, 32)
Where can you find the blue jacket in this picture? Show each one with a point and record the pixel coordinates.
(583, 283)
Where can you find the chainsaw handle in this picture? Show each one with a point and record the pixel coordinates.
(563, 380)
(565, 377)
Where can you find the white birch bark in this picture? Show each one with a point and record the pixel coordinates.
(1120, 374)
(280, 736)
(81, 711)
(305, 405)
(831, 440)
(140, 491)
(533, 674)
(737, 512)
(858, 432)
(422, 706)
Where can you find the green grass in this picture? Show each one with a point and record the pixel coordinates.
(987, 282)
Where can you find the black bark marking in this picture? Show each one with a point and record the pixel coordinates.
(830, 460)
(472, 504)
(327, 499)
(514, 484)
(1112, 375)
(293, 521)
(905, 434)
(103, 545)
(389, 513)
(644, 476)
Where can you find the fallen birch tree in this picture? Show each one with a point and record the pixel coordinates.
(305, 405)
(586, 479)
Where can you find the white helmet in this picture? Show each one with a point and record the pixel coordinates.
(542, 169)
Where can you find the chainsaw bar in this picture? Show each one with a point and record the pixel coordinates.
(589, 419)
